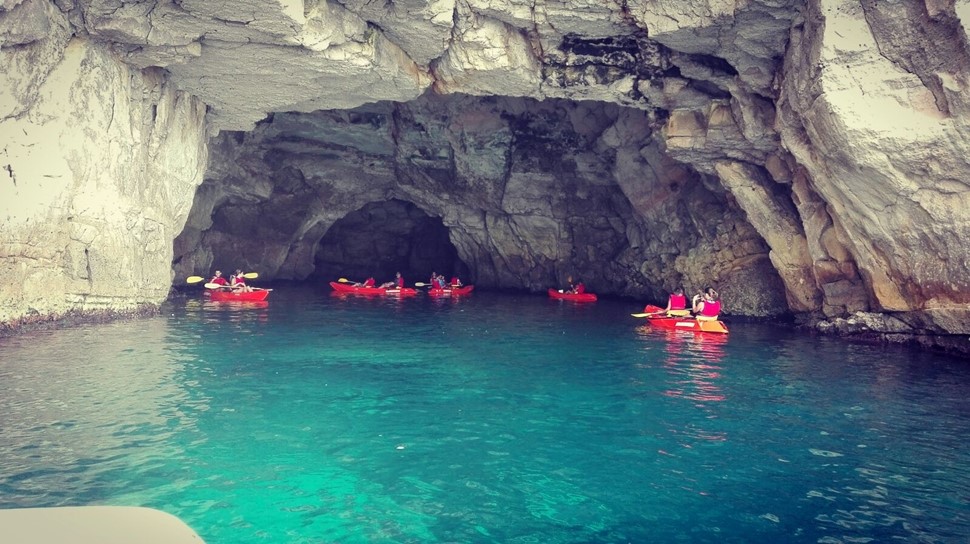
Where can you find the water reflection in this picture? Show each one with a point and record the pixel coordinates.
(82, 405)
(693, 367)
(236, 310)
(694, 362)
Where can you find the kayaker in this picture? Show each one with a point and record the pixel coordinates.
(707, 305)
(369, 282)
(455, 282)
(579, 288)
(238, 282)
(677, 302)
(218, 279)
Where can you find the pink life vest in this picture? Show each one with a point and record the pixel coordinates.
(711, 309)
(678, 302)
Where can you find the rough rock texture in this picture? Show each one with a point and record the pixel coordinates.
(99, 165)
(873, 110)
(530, 193)
(805, 156)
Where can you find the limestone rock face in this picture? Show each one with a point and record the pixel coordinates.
(99, 165)
(874, 111)
(816, 146)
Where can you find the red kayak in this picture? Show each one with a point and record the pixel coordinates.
(238, 296)
(657, 318)
(577, 297)
(451, 291)
(349, 288)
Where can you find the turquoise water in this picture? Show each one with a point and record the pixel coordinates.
(495, 418)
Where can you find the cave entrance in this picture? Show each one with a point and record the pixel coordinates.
(383, 238)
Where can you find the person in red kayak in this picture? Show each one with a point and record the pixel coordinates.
(238, 282)
(579, 288)
(677, 303)
(369, 282)
(218, 279)
(707, 305)
(455, 282)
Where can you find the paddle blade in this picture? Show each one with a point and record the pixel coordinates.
(213, 286)
(343, 280)
(420, 284)
(194, 279)
(641, 315)
(251, 275)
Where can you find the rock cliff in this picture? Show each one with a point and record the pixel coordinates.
(100, 162)
(804, 157)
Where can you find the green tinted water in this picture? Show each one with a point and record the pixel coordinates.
(495, 418)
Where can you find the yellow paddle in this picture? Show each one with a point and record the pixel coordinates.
(197, 279)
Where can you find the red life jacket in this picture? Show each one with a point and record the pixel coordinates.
(678, 302)
(711, 309)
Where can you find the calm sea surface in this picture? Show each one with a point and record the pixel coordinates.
(495, 418)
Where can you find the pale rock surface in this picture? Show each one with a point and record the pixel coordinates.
(886, 150)
(487, 58)
(774, 216)
(423, 28)
(246, 60)
(100, 163)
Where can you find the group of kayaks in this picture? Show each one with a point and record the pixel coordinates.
(655, 315)
(352, 289)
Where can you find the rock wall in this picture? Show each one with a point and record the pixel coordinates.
(817, 146)
(99, 162)
(873, 109)
(531, 193)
